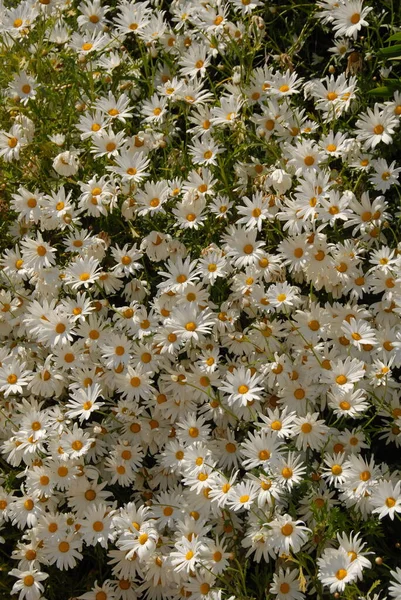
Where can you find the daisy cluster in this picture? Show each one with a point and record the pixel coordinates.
(200, 303)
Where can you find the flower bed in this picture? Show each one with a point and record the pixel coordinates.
(200, 301)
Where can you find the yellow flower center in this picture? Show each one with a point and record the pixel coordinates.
(64, 547)
(364, 476)
(341, 574)
(98, 526)
(287, 529)
(29, 580)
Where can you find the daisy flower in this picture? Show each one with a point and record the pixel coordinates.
(354, 548)
(386, 499)
(11, 143)
(131, 19)
(135, 383)
(285, 84)
(84, 271)
(84, 402)
(287, 535)
(289, 470)
(75, 443)
(228, 111)
(245, 7)
(66, 163)
(90, 124)
(190, 324)
(100, 592)
(280, 422)
(242, 496)
(96, 525)
(384, 175)
(186, 554)
(344, 374)
(361, 476)
(282, 295)
(107, 143)
(260, 450)
(92, 15)
(179, 275)
(310, 431)
(25, 510)
(14, 377)
(336, 569)
(243, 247)
(205, 151)
(349, 18)
(195, 61)
(189, 213)
(29, 584)
(335, 470)
(254, 211)
(64, 551)
(56, 329)
(154, 109)
(348, 403)
(131, 167)
(192, 429)
(242, 386)
(126, 259)
(88, 43)
(37, 254)
(286, 585)
(23, 86)
(359, 332)
(115, 109)
(375, 126)
(395, 587)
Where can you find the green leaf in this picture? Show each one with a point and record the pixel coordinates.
(391, 51)
(388, 89)
(396, 37)
(381, 91)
